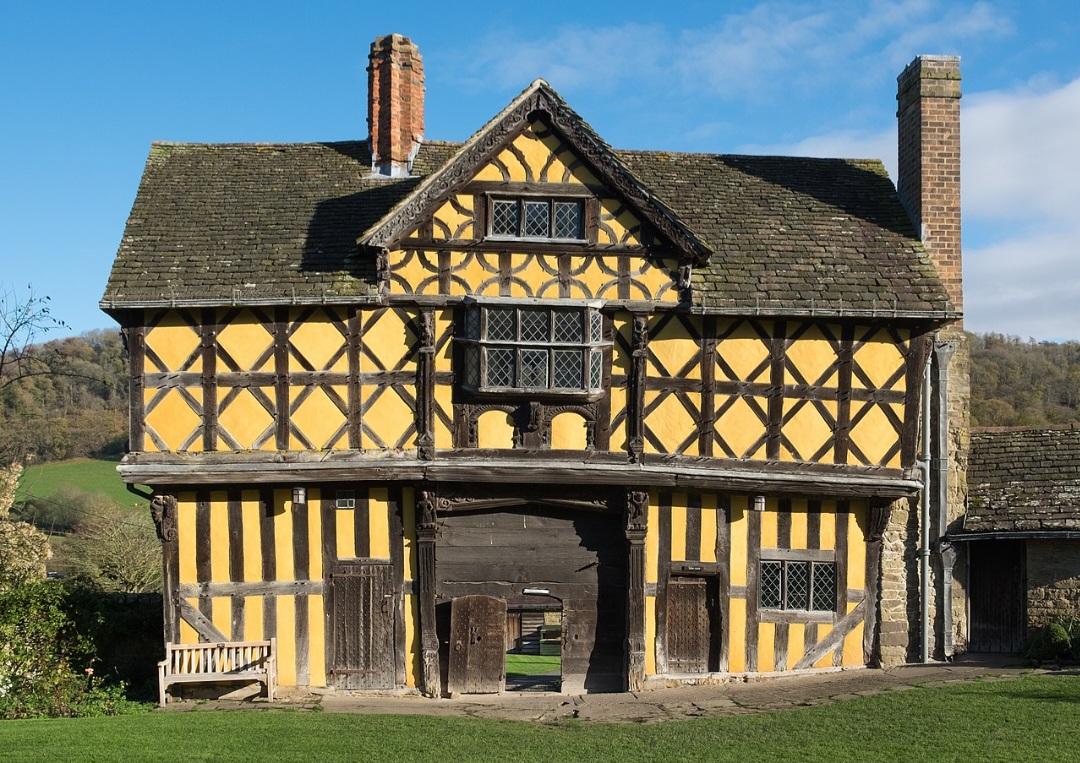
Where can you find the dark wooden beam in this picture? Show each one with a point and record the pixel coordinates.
(777, 353)
(163, 510)
(208, 338)
(637, 507)
(425, 546)
(353, 381)
(281, 377)
(135, 336)
(843, 405)
(635, 402)
(425, 386)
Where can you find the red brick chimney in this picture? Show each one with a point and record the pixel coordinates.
(928, 116)
(395, 104)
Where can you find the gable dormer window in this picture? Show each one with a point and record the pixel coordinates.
(537, 217)
(533, 348)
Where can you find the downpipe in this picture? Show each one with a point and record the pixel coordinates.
(924, 518)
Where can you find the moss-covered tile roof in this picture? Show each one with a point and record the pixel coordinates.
(274, 223)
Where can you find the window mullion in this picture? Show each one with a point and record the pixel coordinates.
(783, 585)
(521, 218)
(810, 588)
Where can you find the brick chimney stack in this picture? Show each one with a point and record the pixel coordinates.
(928, 116)
(395, 104)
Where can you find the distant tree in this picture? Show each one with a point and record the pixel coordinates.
(113, 549)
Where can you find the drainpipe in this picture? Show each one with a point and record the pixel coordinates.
(924, 518)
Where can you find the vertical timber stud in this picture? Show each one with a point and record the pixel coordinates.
(723, 573)
(135, 338)
(663, 576)
(208, 340)
(753, 557)
(637, 507)
(635, 421)
(879, 519)
(783, 541)
(425, 387)
(708, 396)
(777, 352)
(918, 354)
(843, 404)
(354, 379)
(843, 510)
(163, 510)
(281, 375)
(425, 546)
(397, 563)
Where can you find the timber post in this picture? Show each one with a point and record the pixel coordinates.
(163, 511)
(636, 403)
(875, 534)
(637, 507)
(425, 387)
(429, 639)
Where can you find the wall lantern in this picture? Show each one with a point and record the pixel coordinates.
(299, 495)
(536, 591)
(759, 503)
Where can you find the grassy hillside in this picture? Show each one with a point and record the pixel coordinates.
(90, 475)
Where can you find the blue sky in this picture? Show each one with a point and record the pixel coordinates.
(84, 89)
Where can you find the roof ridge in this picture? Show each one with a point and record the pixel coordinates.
(1069, 427)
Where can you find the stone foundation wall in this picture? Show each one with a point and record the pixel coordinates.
(1053, 580)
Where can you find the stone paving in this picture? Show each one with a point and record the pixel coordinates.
(742, 697)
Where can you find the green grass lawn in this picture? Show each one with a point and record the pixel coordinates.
(533, 664)
(1033, 718)
(87, 474)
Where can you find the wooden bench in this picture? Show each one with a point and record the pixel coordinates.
(218, 661)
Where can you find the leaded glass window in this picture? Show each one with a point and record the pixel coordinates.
(799, 585)
(533, 349)
(538, 217)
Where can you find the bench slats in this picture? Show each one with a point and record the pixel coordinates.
(218, 661)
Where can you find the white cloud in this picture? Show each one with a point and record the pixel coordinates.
(1021, 175)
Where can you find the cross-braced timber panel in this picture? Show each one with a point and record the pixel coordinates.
(244, 347)
(741, 373)
(388, 378)
(172, 405)
(672, 413)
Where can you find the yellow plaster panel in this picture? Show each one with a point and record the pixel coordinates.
(533, 149)
(652, 540)
(853, 654)
(494, 429)
(856, 566)
(173, 340)
(387, 415)
(808, 431)
(655, 283)
(766, 652)
(283, 537)
(245, 339)
(286, 639)
(253, 618)
(319, 420)
(314, 528)
(221, 614)
(173, 419)
(475, 273)
(568, 432)
(413, 272)
(185, 537)
(618, 432)
(444, 397)
(650, 635)
(379, 523)
(770, 530)
(250, 513)
(825, 661)
(874, 434)
(671, 423)
(709, 518)
(219, 537)
(444, 322)
(245, 419)
(390, 339)
(795, 651)
(737, 633)
(450, 222)
(599, 276)
(188, 635)
(677, 353)
(528, 276)
(798, 523)
(318, 341)
(345, 533)
(412, 640)
(744, 352)
(828, 525)
(514, 168)
(740, 427)
(879, 358)
(316, 640)
(739, 527)
(678, 527)
(812, 355)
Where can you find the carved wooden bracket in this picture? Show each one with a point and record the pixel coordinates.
(163, 511)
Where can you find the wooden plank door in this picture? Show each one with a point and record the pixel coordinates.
(364, 602)
(997, 596)
(688, 630)
(477, 645)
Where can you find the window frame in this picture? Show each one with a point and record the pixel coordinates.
(593, 348)
(812, 558)
(551, 200)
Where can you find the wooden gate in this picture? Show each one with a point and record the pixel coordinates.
(997, 596)
(477, 645)
(363, 603)
(687, 636)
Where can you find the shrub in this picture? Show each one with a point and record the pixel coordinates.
(1049, 644)
(46, 667)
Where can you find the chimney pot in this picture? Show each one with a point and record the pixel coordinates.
(395, 104)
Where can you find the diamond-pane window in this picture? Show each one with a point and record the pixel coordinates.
(568, 220)
(535, 326)
(500, 325)
(568, 327)
(824, 586)
(500, 367)
(536, 219)
(596, 369)
(532, 349)
(534, 368)
(771, 584)
(505, 217)
(796, 595)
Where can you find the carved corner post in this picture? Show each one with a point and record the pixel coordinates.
(879, 520)
(425, 543)
(639, 348)
(163, 511)
(637, 507)
(134, 335)
(425, 387)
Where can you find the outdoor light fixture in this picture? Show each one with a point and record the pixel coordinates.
(537, 591)
(299, 495)
(759, 503)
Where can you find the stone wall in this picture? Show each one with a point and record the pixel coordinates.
(1053, 580)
